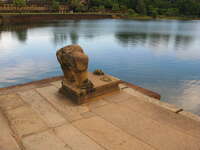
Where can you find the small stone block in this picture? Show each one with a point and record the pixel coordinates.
(102, 85)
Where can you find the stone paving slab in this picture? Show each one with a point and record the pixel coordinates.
(165, 105)
(24, 121)
(164, 116)
(156, 134)
(44, 141)
(88, 114)
(70, 110)
(56, 84)
(10, 101)
(118, 97)
(96, 103)
(191, 116)
(7, 142)
(75, 139)
(50, 116)
(108, 135)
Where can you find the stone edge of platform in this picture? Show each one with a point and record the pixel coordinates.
(36, 83)
(144, 91)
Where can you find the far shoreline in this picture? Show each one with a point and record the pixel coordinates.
(19, 18)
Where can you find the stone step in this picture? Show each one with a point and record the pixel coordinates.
(146, 129)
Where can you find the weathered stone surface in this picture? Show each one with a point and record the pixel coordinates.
(51, 117)
(109, 136)
(192, 116)
(25, 121)
(75, 139)
(44, 141)
(10, 101)
(118, 97)
(88, 114)
(97, 103)
(7, 142)
(74, 64)
(165, 105)
(122, 86)
(164, 116)
(57, 84)
(101, 87)
(69, 110)
(133, 121)
(152, 132)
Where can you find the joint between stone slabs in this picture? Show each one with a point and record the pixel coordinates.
(13, 132)
(101, 145)
(37, 83)
(144, 91)
(57, 110)
(190, 115)
(37, 132)
(178, 111)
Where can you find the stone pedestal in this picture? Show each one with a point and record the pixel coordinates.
(102, 84)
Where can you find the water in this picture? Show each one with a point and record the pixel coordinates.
(163, 56)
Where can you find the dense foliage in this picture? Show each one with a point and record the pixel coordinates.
(143, 7)
(19, 3)
(129, 7)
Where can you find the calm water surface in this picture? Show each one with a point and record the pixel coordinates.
(163, 56)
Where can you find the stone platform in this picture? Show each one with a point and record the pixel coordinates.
(36, 117)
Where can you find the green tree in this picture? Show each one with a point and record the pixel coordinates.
(101, 8)
(131, 12)
(55, 5)
(96, 3)
(115, 7)
(108, 3)
(123, 8)
(141, 7)
(74, 4)
(172, 12)
(19, 3)
(81, 8)
(152, 11)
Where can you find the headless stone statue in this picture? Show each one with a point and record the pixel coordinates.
(78, 84)
(74, 64)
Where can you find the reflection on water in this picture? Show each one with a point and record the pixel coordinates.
(163, 56)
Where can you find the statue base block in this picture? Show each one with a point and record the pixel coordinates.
(103, 84)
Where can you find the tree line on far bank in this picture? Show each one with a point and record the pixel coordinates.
(131, 7)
